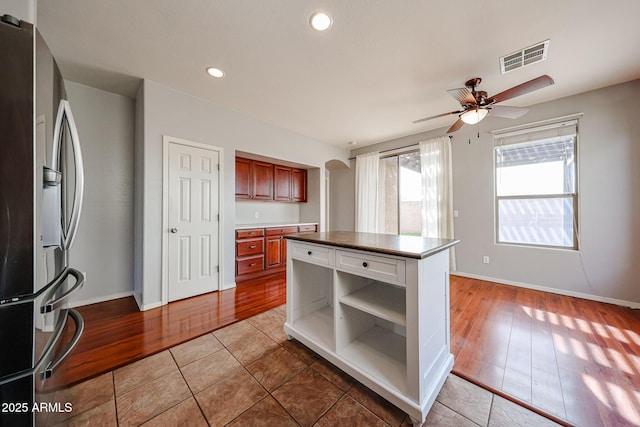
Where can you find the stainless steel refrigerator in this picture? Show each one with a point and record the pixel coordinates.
(41, 188)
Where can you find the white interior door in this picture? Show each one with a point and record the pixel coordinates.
(193, 215)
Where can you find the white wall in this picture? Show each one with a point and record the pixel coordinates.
(314, 209)
(170, 112)
(138, 217)
(609, 200)
(21, 9)
(267, 212)
(343, 196)
(103, 247)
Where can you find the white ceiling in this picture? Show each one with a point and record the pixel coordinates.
(382, 64)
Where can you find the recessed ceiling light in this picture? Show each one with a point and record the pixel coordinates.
(352, 142)
(215, 72)
(320, 21)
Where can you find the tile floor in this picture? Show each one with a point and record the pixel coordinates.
(249, 374)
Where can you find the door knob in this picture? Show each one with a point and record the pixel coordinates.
(174, 230)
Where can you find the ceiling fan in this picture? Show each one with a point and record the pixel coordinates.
(475, 104)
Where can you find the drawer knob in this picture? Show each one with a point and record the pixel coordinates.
(252, 247)
(364, 264)
(308, 252)
(252, 264)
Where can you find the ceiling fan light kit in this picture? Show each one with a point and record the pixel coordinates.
(471, 117)
(476, 105)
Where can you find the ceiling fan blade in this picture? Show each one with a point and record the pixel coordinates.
(521, 89)
(463, 95)
(435, 117)
(507, 111)
(457, 125)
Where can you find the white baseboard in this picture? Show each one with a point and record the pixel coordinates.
(591, 297)
(143, 307)
(228, 286)
(73, 304)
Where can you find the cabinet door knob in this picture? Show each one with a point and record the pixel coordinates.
(308, 252)
(174, 230)
(364, 264)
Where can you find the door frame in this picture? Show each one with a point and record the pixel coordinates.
(166, 141)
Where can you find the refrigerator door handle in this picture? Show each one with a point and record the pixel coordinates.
(21, 299)
(53, 365)
(64, 111)
(50, 303)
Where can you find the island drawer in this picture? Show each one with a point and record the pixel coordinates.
(250, 232)
(250, 265)
(315, 254)
(376, 267)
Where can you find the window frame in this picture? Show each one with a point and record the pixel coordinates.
(574, 196)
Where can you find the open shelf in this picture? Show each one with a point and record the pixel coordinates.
(381, 300)
(382, 355)
(318, 326)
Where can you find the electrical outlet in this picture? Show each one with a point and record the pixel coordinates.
(485, 259)
(455, 213)
(256, 214)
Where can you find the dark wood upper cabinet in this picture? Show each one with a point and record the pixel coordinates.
(257, 180)
(282, 183)
(298, 185)
(254, 180)
(262, 180)
(244, 182)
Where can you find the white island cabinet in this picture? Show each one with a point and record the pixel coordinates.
(377, 307)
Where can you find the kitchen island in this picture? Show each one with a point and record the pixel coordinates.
(377, 307)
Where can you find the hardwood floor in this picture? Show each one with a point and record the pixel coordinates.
(575, 359)
(117, 333)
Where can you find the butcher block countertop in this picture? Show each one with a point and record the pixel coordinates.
(405, 246)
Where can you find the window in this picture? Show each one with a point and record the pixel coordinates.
(400, 189)
(536, 191)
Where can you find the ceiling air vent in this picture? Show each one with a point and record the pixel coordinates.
(527, 56)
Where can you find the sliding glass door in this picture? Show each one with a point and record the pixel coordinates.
(400, 201)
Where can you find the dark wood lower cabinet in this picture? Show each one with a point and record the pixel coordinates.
(250, 265)
(263, 251)
(273, 251)
(276, 246)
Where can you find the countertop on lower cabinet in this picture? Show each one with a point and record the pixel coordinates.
(272, 224)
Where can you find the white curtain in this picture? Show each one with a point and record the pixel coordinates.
(367, 192)
(437, 188)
